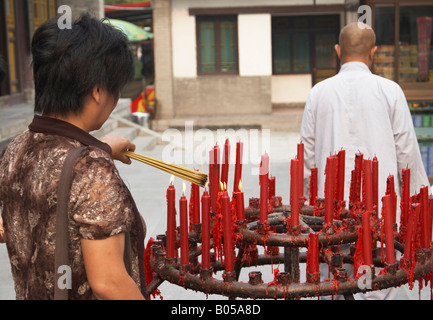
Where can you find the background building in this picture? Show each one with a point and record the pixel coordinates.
(404, 36)
(242, 58)
(404, 30)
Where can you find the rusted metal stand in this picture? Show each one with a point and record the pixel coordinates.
(286, 285)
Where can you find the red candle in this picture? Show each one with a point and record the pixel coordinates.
(196, 203)
(215, 177)
(240, 207)
(366, 239)
(271, 187)
(357, 175)
(210, 179)
(313, 252)
(329, 190)
(390, 189)
(405, 196)
(183, 205)
(171, 220)
(205, 230)
(238, 166)
(430, 214)
(352, 192)
(225, 165)
(313, 187)
(425, 231)
(368, 192)
(300, 157)
(340, 174)
(263, 179)
(412, 223)
(228, 238)
(389, 234)
(294, 194)
(375, 178)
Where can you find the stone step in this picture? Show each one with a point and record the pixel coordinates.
(145, 143)
(129, 133)
(106, 128)
(279, 122)
(123, 108)
(142, 140)
(14, 120)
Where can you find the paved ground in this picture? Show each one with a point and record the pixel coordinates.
(149, 185)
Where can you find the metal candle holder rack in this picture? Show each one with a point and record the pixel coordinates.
(356, 237)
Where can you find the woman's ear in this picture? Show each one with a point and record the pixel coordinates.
(96, 94)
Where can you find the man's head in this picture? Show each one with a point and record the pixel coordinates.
(69, 64)
(356, 43)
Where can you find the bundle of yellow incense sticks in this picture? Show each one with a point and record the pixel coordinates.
(190, 175)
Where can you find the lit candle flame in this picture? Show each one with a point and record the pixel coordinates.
(240, 185)
(183, 187)
(223, 186)
(171, 179)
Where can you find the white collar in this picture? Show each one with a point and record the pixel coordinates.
(354, 66)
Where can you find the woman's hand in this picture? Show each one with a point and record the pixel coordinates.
(118, 145)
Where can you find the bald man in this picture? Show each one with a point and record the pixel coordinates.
(360, 112)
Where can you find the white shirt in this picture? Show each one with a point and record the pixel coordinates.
(361, 112)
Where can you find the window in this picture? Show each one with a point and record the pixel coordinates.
(415, 43)
(305, 44)
(217, 45)
(404, 39)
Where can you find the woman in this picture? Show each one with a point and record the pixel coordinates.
(78, 75)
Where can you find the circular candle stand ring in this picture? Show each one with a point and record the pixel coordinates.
(286, 285)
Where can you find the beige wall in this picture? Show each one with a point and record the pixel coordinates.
(222, 95)
(163, 58)
(289, 89)
(180, 92)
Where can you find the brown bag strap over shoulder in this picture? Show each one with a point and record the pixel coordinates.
(61, 256)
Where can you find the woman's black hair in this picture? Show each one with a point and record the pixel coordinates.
(69, 63)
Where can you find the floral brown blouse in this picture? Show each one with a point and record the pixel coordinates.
(100, 206)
